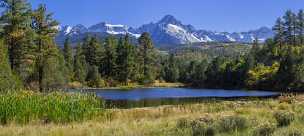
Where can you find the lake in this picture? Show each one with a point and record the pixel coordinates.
(147, 97)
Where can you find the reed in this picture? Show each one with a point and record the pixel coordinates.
(58, 107)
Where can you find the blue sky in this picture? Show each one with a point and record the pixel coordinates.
(219, 15)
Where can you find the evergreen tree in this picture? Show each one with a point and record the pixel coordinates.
(18, 35)
(92, 50)
(147, 55)
(54, 71)
(199, 76)
(7, 79)
(109, 59)
(171, 71)
(68, 57)
(290, 27)
(214, 73)
(80, 66)
(94, 78)
(125, 60)
(49, 63)
(190, 71)
(285, 74)
(279, 30)
(300, 27)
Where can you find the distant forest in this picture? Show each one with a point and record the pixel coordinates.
(30, 58)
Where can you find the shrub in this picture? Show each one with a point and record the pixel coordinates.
(203, 127)
(58, 107)
(183, 123)
(231, 123)
(265, 129)
(295, 133)
(284, 118)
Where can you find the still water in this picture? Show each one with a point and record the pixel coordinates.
(147, 97)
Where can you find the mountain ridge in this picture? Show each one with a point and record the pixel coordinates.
(168, 30)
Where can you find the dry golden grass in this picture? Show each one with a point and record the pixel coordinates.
(161, 121)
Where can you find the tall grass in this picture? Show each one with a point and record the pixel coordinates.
(57, 107)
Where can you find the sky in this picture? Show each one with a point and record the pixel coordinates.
(215, 15)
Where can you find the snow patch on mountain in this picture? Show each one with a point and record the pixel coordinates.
(68, 29)
(168, 30)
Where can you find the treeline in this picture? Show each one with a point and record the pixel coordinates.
(31, 59)
(112, 62)
(278, 64)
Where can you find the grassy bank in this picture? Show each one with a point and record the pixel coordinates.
(23, 107)
(277, 117)
(136, 85)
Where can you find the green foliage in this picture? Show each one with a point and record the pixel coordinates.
(197, 74)
(170, 71)
(92, 50)
(284, 118)
(7, 79)
(261, 77)
(183, 123)
(80, 65)
(214, 72)
(147, 58)
(232, 123)
(54, 75)
(125, 60)
(68, 57)
(203, 128)
(50, 68)
(58, 107)
(109, 66)
(265, 129)
(18, 36)
(94, 78)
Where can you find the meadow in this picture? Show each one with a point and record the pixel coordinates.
(79, 115)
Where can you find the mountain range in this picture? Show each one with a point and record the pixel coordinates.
(167, 31)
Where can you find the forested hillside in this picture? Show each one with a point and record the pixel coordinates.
(31, 59)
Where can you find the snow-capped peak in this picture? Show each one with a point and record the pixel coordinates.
(169, 31)
(111, 25)
(67, 30)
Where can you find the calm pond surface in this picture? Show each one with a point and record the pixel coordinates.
(147, 97)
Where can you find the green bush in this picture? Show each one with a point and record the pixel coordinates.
(58, 107)
(284, 118)
(265, 129)
(231, 123)
(202, 129)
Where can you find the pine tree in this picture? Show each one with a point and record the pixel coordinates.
(94, 78)
(300, 27)
(279, 30)
(109, 59)
(290, 27)
(146, 51)
(16, 21)
(92, 50)
(285, 75)
(68, 57)
(7, 79)
(48, 58)
(198, 77)
(80, 66)
(125, 60)
(171, 71)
